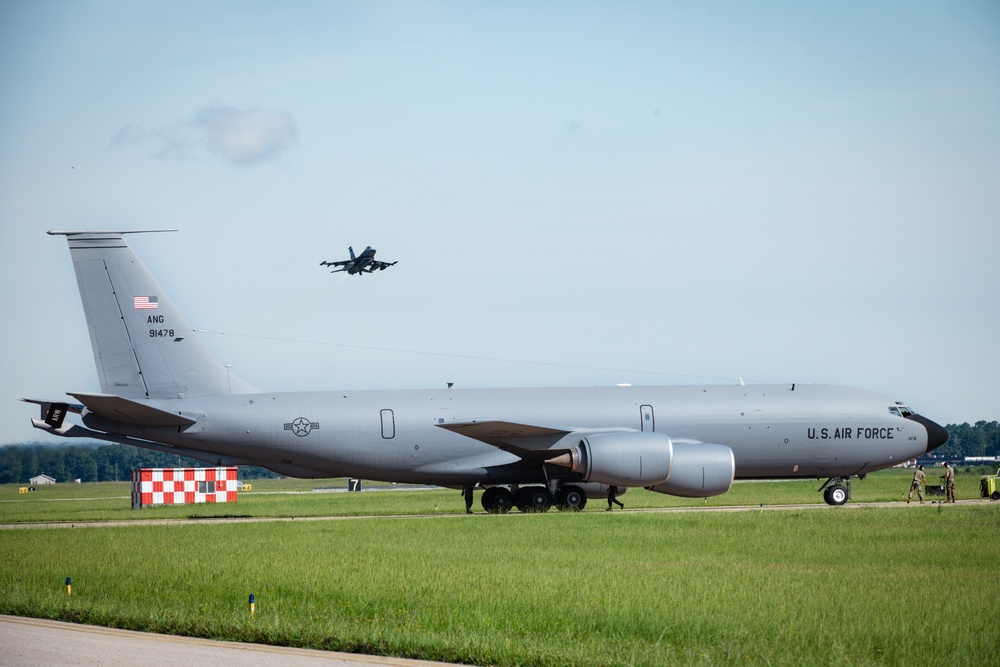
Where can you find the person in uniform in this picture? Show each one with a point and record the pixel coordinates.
(613, 497)
(919, 479)
(467, 494)
(949, 482)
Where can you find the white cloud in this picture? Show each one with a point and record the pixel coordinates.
(241, 137)
(248, 136)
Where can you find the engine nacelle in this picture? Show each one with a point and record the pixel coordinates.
(699, 471)
(630, 458)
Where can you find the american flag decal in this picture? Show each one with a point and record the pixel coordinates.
(146, 302)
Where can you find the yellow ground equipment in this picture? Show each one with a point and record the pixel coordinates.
(989, 486)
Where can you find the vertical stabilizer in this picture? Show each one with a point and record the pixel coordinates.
(143, 347)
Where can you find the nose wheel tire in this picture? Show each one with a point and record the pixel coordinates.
(835, 495)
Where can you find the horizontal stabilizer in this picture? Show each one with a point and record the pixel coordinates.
(127, 411)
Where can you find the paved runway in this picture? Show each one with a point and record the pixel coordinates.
(32, 642)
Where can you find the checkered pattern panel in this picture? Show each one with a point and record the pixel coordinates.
(178, 486)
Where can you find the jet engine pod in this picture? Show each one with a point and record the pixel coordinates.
(630, 458)
(699, 471)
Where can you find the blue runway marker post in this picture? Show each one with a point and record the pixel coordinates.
(251, 605)
(69, 586)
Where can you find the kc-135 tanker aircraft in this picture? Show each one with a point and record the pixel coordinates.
(530, 448)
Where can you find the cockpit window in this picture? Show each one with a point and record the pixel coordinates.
(901, 410)
(894, 410)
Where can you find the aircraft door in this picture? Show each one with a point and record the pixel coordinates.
(388, 424)
(646, 421)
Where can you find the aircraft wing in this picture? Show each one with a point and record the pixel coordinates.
(342, 263)
(528, 441)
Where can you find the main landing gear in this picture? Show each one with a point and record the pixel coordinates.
(836, 490)
(499, 500)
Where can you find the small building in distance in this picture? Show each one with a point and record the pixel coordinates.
(41, 479)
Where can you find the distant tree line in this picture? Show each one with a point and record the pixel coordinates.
(103, 463)
(983, 439)
(107, 463)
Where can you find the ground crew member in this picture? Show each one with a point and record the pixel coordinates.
(613, 497)
(918, 480)
(467, 493)
(949, 482)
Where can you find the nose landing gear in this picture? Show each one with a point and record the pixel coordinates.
(836, 490)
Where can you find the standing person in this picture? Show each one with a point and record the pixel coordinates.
(919, 478)
(613, 497)
(949, 482)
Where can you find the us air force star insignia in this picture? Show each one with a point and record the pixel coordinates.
(301, 427)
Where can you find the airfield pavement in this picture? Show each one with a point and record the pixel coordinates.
(33, 642)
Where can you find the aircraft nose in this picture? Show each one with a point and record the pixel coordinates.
(936, 434)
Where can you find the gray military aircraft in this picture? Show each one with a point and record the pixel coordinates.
(531, 448)
(359, 264)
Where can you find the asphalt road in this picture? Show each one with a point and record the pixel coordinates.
(32, 642)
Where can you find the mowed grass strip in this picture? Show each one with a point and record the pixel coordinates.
(110, 501)
(851, 586)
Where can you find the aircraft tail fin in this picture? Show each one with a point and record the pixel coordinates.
(350, 249)
(142, 345)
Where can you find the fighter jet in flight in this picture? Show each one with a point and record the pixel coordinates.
(360, 264)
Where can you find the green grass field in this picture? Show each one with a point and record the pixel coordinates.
(109, 501)
(854, 585)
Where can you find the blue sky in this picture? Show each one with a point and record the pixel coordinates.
(577, 193)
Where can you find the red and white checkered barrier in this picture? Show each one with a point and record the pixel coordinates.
(179, 486)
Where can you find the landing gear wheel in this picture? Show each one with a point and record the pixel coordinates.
(835, 495)
(497, 500)
(533, 499)
(572, 499)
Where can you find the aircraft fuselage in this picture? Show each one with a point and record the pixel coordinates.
(775, 431)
